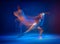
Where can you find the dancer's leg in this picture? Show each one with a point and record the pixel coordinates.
(40, 31)
(31, 27)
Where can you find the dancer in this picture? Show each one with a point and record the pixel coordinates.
(37, 20)
(32, 23)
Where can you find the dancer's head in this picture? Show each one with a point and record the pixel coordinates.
(41, 14)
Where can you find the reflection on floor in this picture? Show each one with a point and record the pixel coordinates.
(30, 39)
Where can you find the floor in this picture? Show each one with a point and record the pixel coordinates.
(32, 38)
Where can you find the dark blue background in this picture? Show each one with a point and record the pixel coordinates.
(30, 8)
